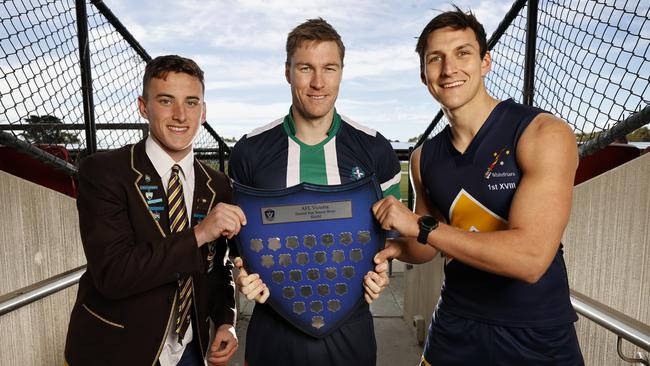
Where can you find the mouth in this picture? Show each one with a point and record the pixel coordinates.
(453, 84)
(177, 129)
(317, 97)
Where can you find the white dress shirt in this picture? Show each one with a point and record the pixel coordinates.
(163, 163)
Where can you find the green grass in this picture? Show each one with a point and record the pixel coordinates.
(404, 182)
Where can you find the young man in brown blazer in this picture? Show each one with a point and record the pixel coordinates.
(154, 222)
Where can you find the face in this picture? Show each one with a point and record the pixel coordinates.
(314, 73)
(175, 110)
(453, 68)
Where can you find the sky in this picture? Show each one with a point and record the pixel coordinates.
(241, 47)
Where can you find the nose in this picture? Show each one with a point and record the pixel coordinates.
(317, 80)
(178, 112)
(449, 66)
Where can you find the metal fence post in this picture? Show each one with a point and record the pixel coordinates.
(86, 77)
(531, 48)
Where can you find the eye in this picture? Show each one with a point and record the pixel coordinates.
(463, 53)
(192, 103)
(434, 58)
(331, 69)
(165, 101)
(304, 68)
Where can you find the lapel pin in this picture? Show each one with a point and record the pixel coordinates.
(147, 178)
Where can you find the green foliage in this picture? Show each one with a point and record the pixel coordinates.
(640, 135)
(45, 134)
(415, 139)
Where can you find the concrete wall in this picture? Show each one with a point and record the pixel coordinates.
(607, 252)
(421, 293)
(39, 238)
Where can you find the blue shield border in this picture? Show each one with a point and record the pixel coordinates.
(270, 249)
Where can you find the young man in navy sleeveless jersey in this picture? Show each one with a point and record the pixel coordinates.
(493, 195)
(315, 144)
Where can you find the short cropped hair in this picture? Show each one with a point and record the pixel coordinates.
(160, 66)
(313, 30)
(457, 20)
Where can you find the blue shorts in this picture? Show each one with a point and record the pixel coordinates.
(454, 340)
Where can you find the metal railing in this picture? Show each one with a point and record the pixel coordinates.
(625, 327)
(616, 322)
(27, 295)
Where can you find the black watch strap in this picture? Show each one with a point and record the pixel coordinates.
(426, 224)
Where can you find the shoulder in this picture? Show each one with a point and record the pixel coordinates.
(371, 138)
(254, 140)
(107, 162)
(548, 138)
(546, 125)
(265, 129)
(355, 127)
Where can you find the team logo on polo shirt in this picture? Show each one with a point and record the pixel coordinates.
(357, 173)
(498, 160)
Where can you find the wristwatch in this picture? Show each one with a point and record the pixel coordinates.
(427, 224)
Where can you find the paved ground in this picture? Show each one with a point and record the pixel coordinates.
(396, 343)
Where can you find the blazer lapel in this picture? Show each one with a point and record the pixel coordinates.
(149, 187)
(204, 194)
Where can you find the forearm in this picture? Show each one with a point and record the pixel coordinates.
(414, 252)
(511, 253)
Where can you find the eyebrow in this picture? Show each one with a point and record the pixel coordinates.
(163, 95)
(326, 65)
(465, 45)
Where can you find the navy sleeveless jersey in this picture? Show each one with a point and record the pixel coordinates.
(473, 191)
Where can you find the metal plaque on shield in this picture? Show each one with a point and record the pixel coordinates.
(311, 244)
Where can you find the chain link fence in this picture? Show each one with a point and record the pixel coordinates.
(41, 88)
(592, 65)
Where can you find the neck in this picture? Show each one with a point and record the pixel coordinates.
(312, 131)
(176, 155)
(466, 121)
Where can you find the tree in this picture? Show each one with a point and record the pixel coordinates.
(415, 139)
(641, 135)
(46, 135)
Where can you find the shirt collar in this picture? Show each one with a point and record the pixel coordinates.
(163, 163)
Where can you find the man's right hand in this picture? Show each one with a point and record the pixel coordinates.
(223, 220)
(251, 285)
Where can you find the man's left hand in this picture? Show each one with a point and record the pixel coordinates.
(374, 282)
(224, 345)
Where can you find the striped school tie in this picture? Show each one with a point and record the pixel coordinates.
(178, 222)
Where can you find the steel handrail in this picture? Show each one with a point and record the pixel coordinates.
(613, 320)
(19, 298)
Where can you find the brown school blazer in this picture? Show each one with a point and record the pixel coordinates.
(125, 298)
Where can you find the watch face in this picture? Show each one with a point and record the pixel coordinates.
(427, 222)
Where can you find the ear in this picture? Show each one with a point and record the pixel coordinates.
(142, 107)
(287, 72)
(423, 77)
(486, 64)
(203, 114)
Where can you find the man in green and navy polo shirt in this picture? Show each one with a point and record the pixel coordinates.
(315, 144)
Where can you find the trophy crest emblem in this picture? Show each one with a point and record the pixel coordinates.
(311, 244)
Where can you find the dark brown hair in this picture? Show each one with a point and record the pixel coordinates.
(313, 30)
(160, 66)
(457, 20)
